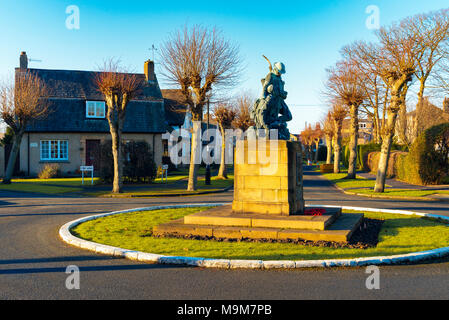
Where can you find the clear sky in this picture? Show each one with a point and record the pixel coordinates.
(305, 35)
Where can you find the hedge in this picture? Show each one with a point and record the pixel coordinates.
(396, 158)
(427, 162)
(363, 150)
(138, 164)
(428, 159)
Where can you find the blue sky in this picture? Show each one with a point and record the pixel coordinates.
(305, 35)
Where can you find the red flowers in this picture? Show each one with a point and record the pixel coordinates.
(314, 212)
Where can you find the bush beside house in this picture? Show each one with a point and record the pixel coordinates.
(139, 165)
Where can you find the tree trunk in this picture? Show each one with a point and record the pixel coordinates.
(118, 159)
(403, 117)
(337, 148)
(317, 146)
(195, 156)
(376, 126)
(222, 172)
(387, 139)
(12, 157)
(354, 129)
(418, 125)
(329, 149)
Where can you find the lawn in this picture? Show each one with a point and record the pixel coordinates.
(175, 184)
(407, 193)
(48, 186)
(338, 179)
(170, 188)
(399, 235)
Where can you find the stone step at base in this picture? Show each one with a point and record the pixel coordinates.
(341, 231)
(224, 216)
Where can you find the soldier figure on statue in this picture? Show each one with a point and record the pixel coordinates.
(270, 111)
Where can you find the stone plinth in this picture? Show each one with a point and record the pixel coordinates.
(221, 223)
(268, 178)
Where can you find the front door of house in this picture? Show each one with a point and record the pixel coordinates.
(92, 153)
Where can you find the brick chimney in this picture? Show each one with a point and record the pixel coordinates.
(148, 68)
(23, 60)
(446, 105)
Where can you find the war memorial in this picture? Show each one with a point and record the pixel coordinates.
(268, 199)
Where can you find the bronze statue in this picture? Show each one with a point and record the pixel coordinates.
(270, 111)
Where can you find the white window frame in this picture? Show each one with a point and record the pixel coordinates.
(58, 158)
(96, 104)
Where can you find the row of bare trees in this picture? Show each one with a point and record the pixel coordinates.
(374, 79)
(196, 59)
(311, 138)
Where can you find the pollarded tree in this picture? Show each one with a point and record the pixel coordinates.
(397, 63)
(338, 114)
(118, 89)
(317, 135)
(307, 137)
(344, 86)
(328, 131)
(198, 59)
(224, 116)
(243, 104)
(22, 103)
(363, 56)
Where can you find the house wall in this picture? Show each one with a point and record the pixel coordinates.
(32, 164)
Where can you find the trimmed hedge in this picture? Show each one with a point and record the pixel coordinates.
(396, 158)
(427, 162)
(428, 159)
(363, 150)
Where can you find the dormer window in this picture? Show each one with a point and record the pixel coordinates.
(95, 109)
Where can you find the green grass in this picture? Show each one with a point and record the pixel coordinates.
(399, 235)
(402, 192)
(170, 189)
(338, 179)
(48, 186)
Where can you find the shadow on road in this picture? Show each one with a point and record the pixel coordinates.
(89, 268)
(58, 259)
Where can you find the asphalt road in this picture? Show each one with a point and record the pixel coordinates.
(33, 259)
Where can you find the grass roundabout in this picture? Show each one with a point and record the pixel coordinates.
(400, 234)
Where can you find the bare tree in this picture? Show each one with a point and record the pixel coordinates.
(243, 119)
(432, 30)
(397, 64)
(197, 59)
(307, 140)
(225, 116)
(345, 87)
(363, 56)
(118, 89)
(328, 131)
(338, 114)
(316, 136)
(22, 103)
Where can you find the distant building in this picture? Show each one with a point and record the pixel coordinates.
(77, 122)
(365, 130)
(431, 116)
